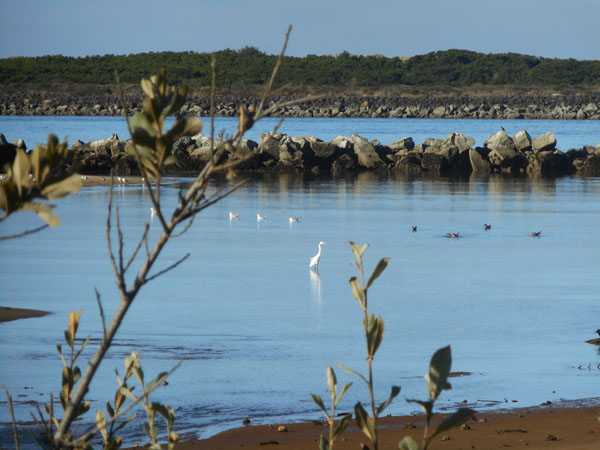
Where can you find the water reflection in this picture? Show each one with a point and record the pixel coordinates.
(315, 285)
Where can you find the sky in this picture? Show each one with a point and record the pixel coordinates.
(547, 28)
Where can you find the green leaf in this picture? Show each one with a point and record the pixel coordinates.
(164, 410)
(124, 390)
(109, 408)
(68, 186)
(341, 425)
(381, 265)
(455, 420)
(393, 394)
(439, 368)
(408, 443)
(21, 168)
(358, 251)
(331, 381)
(358, 292)
(427, 406)
(342, 393)
(364, 421)
(319, 401)
(100, 419)
(375, 329)
(354, 372)
(147, 87)
(141, 137)
(141, 122)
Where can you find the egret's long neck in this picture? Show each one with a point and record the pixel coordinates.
(319, 254)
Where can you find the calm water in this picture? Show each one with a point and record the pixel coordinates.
(258, 329)
(569, 133)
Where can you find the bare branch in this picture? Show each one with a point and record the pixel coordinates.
(137, 249)
(274, 73)
(120, 235)
(101, 313)
(213, 93)
(171, 267)
(24, 233)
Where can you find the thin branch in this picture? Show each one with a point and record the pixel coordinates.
(171, 267)
(213, 93)
(118, 275)
(139, 245)
(24, 233)
(120, 235)
(275, 70)
(101, 313)
(12, 415)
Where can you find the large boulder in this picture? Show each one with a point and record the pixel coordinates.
(522, 141)
(342, 142)
(365, 153)
(343, 164)
(406, 143)
(551, 163)
(591, 166)
(507, 160)
(409, 164)
(459, 141)
(500, 140)
(545, 142)
(480, 166)
(435, 163)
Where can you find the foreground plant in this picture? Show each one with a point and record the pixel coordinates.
(38, 175)
(374, 329)
(335, 429)
(439, 370)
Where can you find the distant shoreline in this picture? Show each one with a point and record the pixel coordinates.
(512, 105)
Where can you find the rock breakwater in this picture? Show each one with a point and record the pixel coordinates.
(566, 107)
(456, 155)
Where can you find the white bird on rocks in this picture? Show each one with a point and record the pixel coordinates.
(294, 219)
(233, 215)
(314, 261)
(259, 217)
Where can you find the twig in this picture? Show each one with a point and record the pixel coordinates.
(213, 93)
(275, 70)
(101, 313)
(24, 233)
(171, 267)
(12, 415)
(137, 249)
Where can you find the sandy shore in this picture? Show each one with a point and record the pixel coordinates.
(573, 428)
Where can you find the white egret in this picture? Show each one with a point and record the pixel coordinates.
(152, 213)
(259, 217)
(314, 261)
(233, 215)
(294, 219)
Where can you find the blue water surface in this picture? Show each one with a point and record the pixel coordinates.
(257, 329)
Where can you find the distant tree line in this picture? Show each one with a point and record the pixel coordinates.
(250, 66)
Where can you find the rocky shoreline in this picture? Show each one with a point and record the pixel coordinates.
(513, 106)
(456, 155)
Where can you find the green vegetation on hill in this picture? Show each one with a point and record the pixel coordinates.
(249, 66)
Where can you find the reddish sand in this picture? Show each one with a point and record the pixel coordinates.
(534, 428)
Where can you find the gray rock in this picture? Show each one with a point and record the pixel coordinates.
(549, 163)
(404, 143)
(323, 150)
(365, 153)
(522, 141)
(343, 142)
(507, 160)
(435, 163)
(479, 165)
(500, 140)
(344, 163)
(545, 142)
(461, 142)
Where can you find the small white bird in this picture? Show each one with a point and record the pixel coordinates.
(152, 212)
(259, 217)
(314, 261)
(233, 215)
(294, 219)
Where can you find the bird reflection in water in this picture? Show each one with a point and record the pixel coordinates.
(315, 284)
